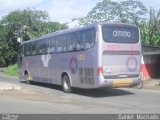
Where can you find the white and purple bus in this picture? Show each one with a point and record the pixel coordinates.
(100, 55)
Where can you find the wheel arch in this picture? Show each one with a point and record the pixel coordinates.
(26, 72)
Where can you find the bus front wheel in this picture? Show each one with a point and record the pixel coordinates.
(27, 80)
(66, 84)
(26, 76)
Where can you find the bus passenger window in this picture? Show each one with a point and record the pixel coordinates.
(61, 43)
(52, 48)
(88, 38)
(59, 49)
(78, 46)
(47, 46)
(42, 46)
(74, 41)
(33, 48)
(26, 49)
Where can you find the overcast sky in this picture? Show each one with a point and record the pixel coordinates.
(60, 10)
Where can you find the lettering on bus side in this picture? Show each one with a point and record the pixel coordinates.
(114, 47)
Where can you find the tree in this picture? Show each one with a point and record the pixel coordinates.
(44, 28)
(150, 29)
(129, 11)
(3, 43)
(21, 21)
(25, 24)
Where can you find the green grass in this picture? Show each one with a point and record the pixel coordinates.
(12, 70)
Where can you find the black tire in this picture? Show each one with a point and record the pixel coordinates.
(66, 84)
(140, 86)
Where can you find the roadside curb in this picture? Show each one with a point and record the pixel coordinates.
(7, 86)
(151, 83)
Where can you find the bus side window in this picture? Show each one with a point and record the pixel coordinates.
(61, 43)
(47, 46)
(88, 38)
(26, 49)
(74, 41)
(41, 47)
(33, 48)
(52, 46)
(78, 39)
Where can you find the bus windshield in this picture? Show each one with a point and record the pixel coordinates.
(120, 34)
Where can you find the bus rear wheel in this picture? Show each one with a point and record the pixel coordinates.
(66, 84)
(140, 86)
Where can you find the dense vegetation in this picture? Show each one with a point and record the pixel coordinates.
(12, 70)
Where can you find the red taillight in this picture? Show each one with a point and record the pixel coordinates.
(100, 70)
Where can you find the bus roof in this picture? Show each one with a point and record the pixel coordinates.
(65, 31)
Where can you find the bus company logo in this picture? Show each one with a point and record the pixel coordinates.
(117, 33)
(45, 59)
(73, 65)
(132, 64)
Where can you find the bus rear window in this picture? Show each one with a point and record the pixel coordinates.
(120, 34)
